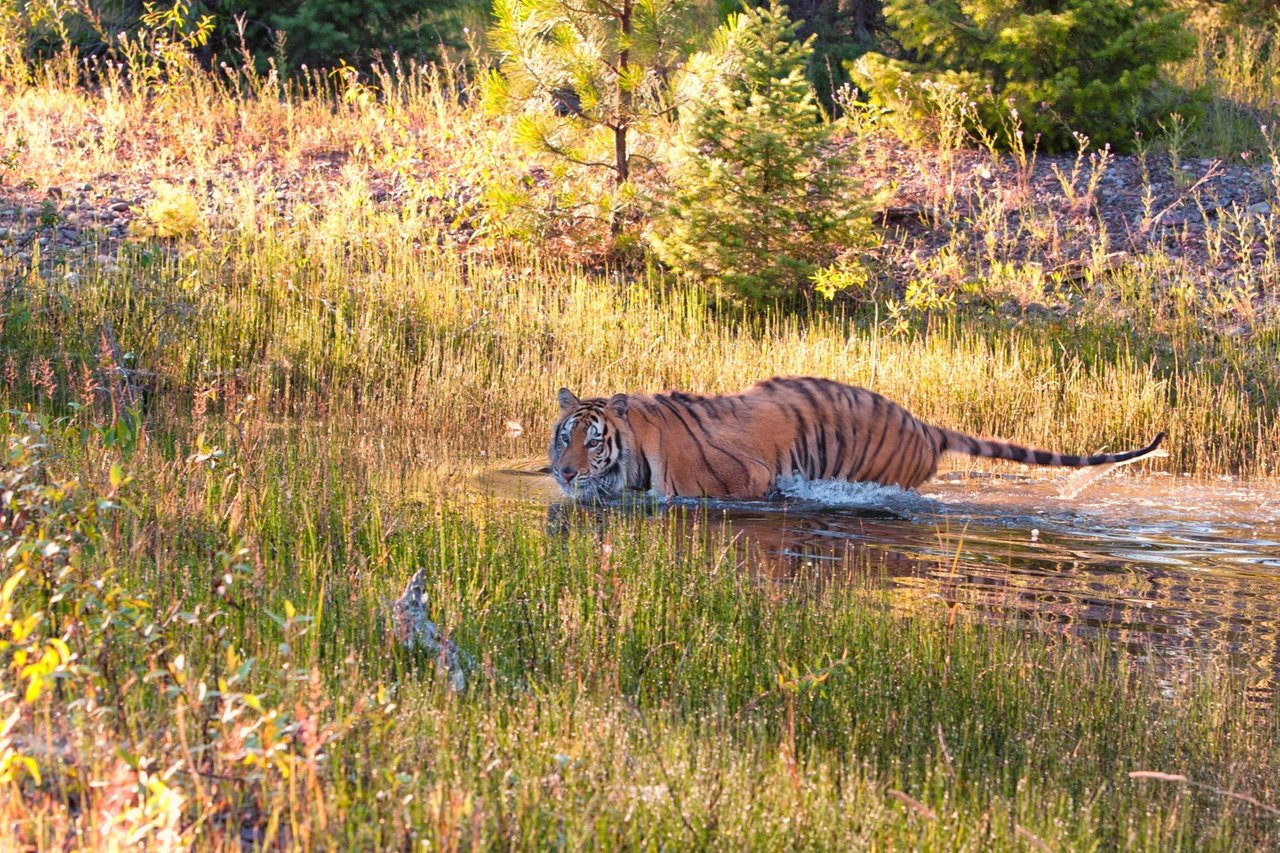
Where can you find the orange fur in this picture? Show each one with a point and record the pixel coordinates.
(738, 445)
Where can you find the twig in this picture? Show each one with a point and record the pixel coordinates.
(129, 392)
(1031, 838)
(1178, 777)
(913, 804)
(946, 753)
(666, 777)
(1149, 226)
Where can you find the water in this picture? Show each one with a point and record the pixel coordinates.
(1179, 572)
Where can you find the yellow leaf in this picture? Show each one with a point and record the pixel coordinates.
(289, 609)
(116, 475)
(32, 767)
(6, 592)
(10, 723)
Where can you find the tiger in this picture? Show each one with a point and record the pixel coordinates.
(738, 446)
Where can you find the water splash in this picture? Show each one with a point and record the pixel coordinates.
(846, 495)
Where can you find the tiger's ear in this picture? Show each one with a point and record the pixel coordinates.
(618, 405)
(566, 399)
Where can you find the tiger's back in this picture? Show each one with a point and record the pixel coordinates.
(739, 445)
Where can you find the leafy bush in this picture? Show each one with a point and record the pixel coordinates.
(762, 198)
(89, 664)
(1087, 66)
(173, 213)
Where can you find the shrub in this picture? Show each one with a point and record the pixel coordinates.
(762, 198)
(319, 33)
(172, 214)
(1087, 66)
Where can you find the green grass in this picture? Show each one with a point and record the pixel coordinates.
(631, 686)
(317, 430)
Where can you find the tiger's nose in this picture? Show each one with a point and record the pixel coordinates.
(568, 474)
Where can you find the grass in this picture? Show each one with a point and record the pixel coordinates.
(312, 378)
(394, 330)
(631, 687)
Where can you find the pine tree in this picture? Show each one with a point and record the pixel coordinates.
(584, 77)
(1088, 66)
(843, 30)
(762, 199)
(324, 33)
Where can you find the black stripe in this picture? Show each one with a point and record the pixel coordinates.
(848, 399)
(732, 457)
(659, 410)
(645, 474)
(837, 458)
(875, 410)
(664, 401)
(924, 455)
(933, 436)
(803, 429)
(820, 459)
(889, 460)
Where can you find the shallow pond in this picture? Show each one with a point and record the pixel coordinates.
(1180, 572)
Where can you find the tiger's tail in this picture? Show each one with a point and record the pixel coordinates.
(958, 442)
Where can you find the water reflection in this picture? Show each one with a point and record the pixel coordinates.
(1179, 573)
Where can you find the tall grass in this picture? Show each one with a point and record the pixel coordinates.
(421, 341)
(631, 686)
(1238, 65)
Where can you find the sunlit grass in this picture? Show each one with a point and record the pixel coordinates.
(1238, 65)
(398, 330)
(629, 685)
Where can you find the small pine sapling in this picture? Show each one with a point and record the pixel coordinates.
(583, 79)
(762, 197)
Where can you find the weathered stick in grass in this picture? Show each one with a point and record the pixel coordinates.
(415, 631)
(913, 804)
(124, 396)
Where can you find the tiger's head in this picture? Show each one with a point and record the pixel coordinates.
(590, 451)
